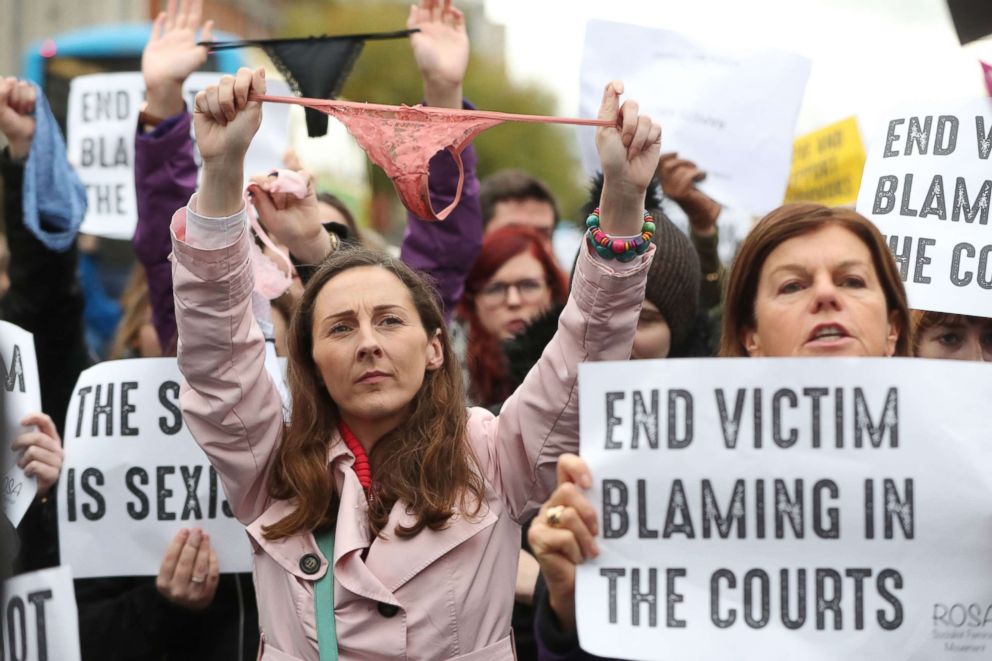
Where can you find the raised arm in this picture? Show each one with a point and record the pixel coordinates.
(540, 421)
(229, 402)
(44, 298)
(164, 167)
(678, 177)
(446, 250)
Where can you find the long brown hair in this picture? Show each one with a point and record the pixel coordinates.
(484, 360)
(788, 222)
(425, 462)
(136, 312)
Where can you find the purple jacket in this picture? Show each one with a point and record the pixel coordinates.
(164, 179)
(447, 250)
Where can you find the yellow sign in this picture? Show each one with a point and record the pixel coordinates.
(827, 165)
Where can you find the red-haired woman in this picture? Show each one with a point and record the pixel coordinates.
(514, 280)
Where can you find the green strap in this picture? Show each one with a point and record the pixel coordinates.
(327, 635)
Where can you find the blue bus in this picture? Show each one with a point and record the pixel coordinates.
(54, 62)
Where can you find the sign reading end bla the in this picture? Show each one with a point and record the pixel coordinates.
(927, 186)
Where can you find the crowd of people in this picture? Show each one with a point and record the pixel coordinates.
(415, 492)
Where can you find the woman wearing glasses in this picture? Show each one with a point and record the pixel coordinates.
(514, 280)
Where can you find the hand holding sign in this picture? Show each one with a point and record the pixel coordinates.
(190, 571)
(171, 55)
(628, 154)
(562, 536)
(41, 451)
(16, 115)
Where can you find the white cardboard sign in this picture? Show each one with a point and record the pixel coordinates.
(22, 395)
(732, 112)
(927, 185)
(813, 509)
(40, 621)
(133, 474)
(101, 127)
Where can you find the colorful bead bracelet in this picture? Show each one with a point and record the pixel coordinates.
(622, 250)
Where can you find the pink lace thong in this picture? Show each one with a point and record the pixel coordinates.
(402, 139)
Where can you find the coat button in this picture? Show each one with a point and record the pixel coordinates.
(388, 610)
(310, 564)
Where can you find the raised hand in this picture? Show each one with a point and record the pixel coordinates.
(171, 55)
(562, 535)
(17, 121)
(290, 220)
(678, 178)
(225, 122)
(190, 572)
(441, 50)
(628, 154)
(40, 451)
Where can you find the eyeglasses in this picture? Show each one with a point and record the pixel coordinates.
(495, 293)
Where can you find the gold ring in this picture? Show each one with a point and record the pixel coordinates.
(197, 579)
(553, 515)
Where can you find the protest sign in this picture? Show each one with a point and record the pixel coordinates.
(827, 165)
(21, 396)
(759, 509)
(133, 474)
(40, 622)
(927, 187)
(733, 113)
(101, 127)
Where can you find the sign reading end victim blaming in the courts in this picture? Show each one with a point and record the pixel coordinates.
(788, 509)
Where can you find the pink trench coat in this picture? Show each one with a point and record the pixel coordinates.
(440, 595)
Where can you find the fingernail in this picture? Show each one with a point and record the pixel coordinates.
(586, 482)
(595, 550)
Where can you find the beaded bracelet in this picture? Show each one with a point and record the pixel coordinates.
(622, 250)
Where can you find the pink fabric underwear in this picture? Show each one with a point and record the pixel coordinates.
(402, 139)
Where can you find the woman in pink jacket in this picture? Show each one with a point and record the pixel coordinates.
(422, 496)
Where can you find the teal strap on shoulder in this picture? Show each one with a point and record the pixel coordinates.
(327, 635)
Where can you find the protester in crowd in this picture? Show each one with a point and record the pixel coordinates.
(953, 336)
(43, 204)
(170, 616)
(165, 170)
(514, 280)
(375, 388)
(513, 198)
(678, 178)
(808, 281)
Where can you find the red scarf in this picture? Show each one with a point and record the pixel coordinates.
(362, 468)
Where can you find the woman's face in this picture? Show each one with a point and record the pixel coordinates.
(653, 338)
(819, 295)
(516, 294)
(370, 346)
(959, 338)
